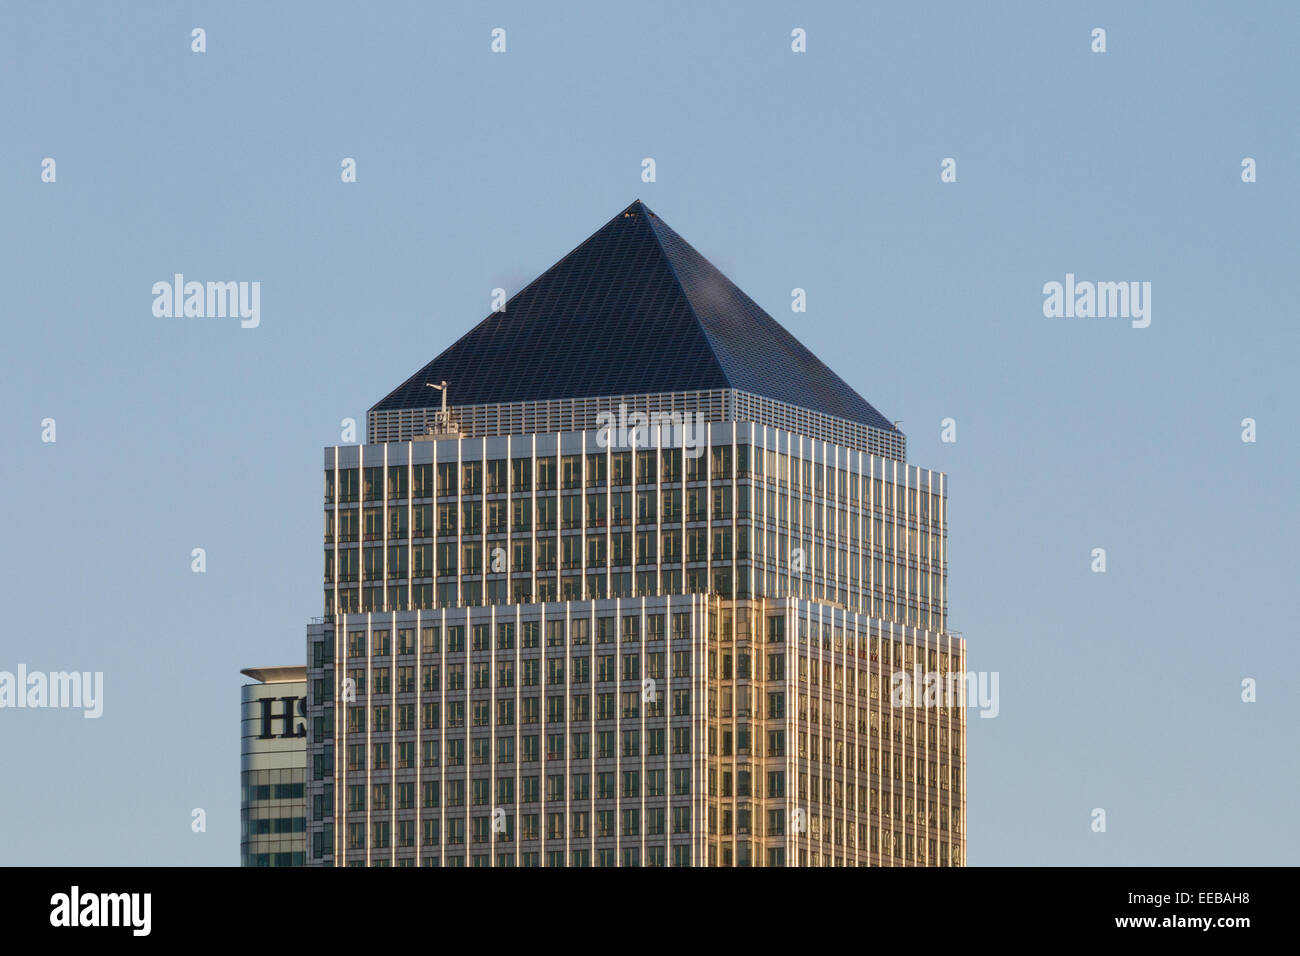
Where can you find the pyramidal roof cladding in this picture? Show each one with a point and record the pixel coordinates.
(633, 310)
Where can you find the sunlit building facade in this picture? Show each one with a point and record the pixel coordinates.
(632, 596)
(273, 767)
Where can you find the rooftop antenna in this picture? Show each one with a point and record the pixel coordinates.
(442, 420)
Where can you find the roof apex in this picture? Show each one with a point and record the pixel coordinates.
(633, 309)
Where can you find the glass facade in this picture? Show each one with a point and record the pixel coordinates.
(755, 512)
(541, 650)
(273, 818)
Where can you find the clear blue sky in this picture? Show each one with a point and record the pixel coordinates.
(819, 171)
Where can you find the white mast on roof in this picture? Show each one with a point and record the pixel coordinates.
(443, 423)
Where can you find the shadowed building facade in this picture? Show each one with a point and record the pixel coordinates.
(621, 578)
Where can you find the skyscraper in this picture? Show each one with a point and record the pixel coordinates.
(624, 577)
(273, 767)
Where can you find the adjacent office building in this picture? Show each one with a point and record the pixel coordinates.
(273, 767)
(622, 578)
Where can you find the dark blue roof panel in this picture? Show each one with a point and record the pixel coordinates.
(633, 310)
